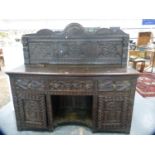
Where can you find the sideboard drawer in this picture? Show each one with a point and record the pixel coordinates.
(114, 85)
(70, 85)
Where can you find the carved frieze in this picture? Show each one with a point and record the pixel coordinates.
(76, 51)
(103, 85)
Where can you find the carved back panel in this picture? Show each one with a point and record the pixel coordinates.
(76, 45)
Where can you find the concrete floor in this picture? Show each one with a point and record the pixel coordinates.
(143, 121)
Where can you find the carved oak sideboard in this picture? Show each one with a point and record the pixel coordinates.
(75, 76)
(98, 98)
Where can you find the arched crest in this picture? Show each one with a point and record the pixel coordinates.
(45, 32)
(74, 29)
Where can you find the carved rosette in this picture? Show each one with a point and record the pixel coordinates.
(109, 49)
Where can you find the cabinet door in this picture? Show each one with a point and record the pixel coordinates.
(114, 112)
(32, 111)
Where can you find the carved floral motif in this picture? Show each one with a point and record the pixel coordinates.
(32, 111)
(111, 85)
(70, 85)
(109, 49)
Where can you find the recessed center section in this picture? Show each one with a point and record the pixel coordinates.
(68, 109)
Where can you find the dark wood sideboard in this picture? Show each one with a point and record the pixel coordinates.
(89, 90)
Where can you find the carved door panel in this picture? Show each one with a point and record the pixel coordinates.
(32, 111)
(113, 112)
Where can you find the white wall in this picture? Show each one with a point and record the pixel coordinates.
(130, 26)
(76, 9)
(56, 14)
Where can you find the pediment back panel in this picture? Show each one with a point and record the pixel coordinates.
(76, 45)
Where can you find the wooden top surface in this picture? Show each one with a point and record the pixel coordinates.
(73, 70)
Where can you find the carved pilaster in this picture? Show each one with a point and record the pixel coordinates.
(26, 50)
(125, 51)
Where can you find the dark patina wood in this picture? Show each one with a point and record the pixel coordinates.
(74, 77)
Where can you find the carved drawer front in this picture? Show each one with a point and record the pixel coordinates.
(70, 85)
(114, 85)
(32, 111)
(113, 112)
(30, 84)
